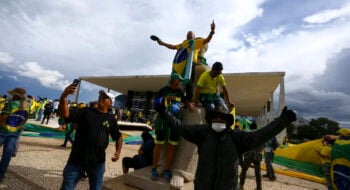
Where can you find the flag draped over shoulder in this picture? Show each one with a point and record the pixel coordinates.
(182, 63)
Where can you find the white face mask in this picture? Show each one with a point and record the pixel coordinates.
(218, 127)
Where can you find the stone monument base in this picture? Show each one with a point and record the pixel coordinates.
(140, 179)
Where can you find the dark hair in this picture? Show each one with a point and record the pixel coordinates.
(328, 139)
(217, 66)
(146, 136)
(253, 126)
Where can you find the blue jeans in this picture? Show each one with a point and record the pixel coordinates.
(73, 173)
(268, 162)
(214, 105)
(9, 142)
(41, 113)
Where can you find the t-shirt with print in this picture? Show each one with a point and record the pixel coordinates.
(92, 135)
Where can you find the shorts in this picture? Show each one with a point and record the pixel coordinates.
(131, 162)
(165, 134)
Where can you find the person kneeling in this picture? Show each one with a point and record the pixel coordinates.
(144, 157)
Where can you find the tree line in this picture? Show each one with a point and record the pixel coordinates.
(304, 130)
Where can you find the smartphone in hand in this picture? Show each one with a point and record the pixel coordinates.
(76, 82)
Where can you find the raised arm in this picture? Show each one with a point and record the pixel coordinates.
(212, 32)
(192, 133)
(170, 46)
(63, 108)
(251, 140)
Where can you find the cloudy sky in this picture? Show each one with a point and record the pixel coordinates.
(45, 44)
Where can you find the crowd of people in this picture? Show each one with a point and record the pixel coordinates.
(220, 148)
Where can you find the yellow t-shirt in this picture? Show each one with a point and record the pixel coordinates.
(198, 44)
(210, 84)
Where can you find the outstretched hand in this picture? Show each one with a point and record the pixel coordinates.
(70, 89)
(212, 26)
(288, 115)
(154, 38)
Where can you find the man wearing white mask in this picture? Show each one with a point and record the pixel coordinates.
(219, 146)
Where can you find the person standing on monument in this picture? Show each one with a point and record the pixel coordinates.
(172, 95)
(187, 56)
(207, 89)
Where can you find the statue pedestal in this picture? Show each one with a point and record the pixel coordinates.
(140, 179)
(184, 165)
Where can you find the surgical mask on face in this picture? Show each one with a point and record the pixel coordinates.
(218, 127)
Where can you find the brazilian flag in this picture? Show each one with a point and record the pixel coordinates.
(340, 165)
(182, 63)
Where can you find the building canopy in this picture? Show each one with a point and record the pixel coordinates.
(249, 91)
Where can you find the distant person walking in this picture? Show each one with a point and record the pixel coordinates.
(269, 154)
(48, 108)
(56, 103)
(253, 156)
(69, 128)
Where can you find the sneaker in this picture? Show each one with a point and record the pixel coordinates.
(272, 178)
(265, 175)
(154, 174)
(167, 175)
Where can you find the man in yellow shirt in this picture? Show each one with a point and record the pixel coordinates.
(207, 89)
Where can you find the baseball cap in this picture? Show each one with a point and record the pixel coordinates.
(105, 95)
(176, 76)
(217, 114)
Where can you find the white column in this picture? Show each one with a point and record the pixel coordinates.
(272, 109)
(281, 105)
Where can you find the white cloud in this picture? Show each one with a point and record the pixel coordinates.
(14, 77)
(48, 78)
(329, 15)
(83, 38)
(5, 59)
(303, 53)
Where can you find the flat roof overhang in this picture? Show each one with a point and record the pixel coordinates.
(249, 91)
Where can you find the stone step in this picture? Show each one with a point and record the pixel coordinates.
(141, 179)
